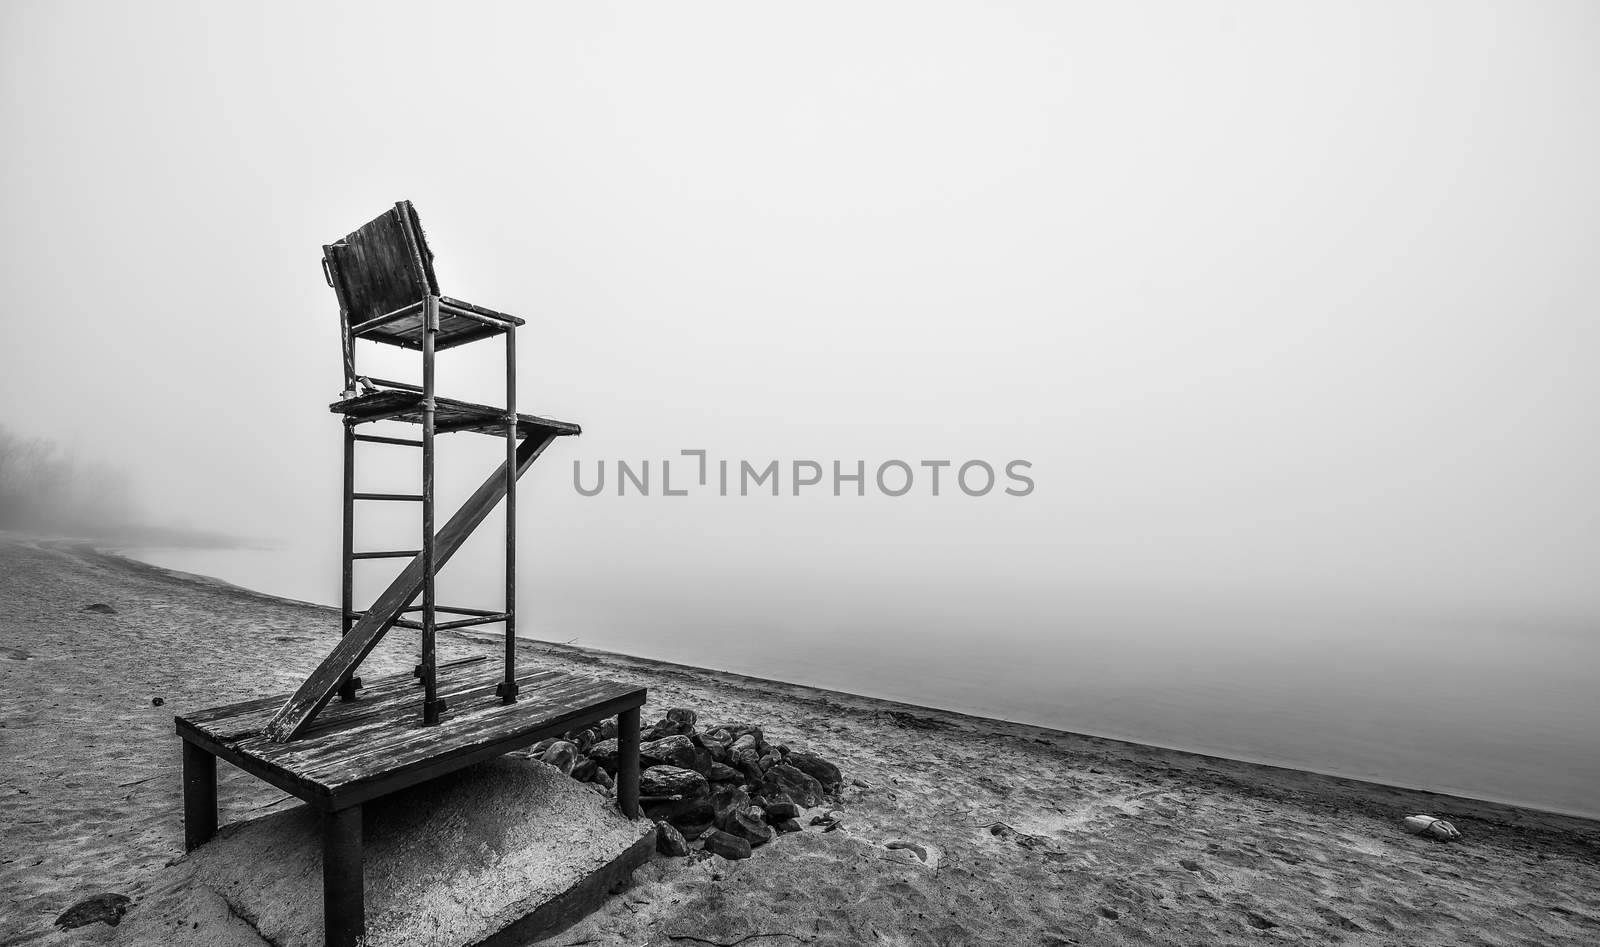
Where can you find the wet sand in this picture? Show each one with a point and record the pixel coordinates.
(1018, 835)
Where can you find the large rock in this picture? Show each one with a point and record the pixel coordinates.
(684, 718)
(673, 781)
(726, 799)
(690, 788)
(675, 750)
(669, 841)
(748, 823)
(721, 843)
(740, 729)
(605, 753)
(695, 824)
(817, 768)
(802, 789)
(562, 755)
(723, 773)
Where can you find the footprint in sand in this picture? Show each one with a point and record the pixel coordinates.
(1338, 920)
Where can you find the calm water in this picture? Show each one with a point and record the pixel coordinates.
(1492, 709)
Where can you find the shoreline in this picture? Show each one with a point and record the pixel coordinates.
(95, 548)
(1028, 835)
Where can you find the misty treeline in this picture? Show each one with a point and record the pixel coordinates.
(43, 486)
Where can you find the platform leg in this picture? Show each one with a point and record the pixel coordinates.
(628, 762)
(199, 796)
(344, 907)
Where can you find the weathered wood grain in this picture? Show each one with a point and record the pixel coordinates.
(377, 744)
(449, 415)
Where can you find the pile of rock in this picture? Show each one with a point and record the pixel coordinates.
(725, 786)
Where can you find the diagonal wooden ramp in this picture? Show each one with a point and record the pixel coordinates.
(353, 648)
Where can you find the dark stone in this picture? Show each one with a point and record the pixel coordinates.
(748, 762)
(770, 760)
(683, 717)
(659, 730)
(669, 841)
(741, 729)
(673, 781)
(748, 823)
(690, 788)
(605, 753)
(608, 730)
(583, 739)
(723, 773)
(693, 830)
(108, 909)
(99, 608)
(562, 755)
(746, 742)
(674, 750)
(156, 701)
(601, 778)
(684, 815)
(728, 846)
(778, 811)
(583, 770)
(817, 768)
(537, 750)
(787, 826)
(721, 736)
(726, 799)
(800, 788)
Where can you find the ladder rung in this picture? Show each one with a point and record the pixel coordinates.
(379, 439)
(459, 623)
(387, 496)
(388, 554)
(453, 610)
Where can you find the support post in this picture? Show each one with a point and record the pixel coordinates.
(344, 908)
(347, 688)
(199, 796)
(508, 685)
(628, 762)
(431, 705)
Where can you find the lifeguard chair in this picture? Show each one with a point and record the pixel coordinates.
(379, 738)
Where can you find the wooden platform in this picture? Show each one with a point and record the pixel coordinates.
(376, 744)
(449, 414)
(357, 751)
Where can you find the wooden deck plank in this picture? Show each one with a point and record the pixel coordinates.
(449, 414)
(244, 710)
(371, 747)
(359, 641)
(485, 717)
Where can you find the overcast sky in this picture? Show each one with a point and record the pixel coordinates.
(1281, 300)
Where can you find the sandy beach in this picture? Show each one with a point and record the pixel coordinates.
(1018, 835)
